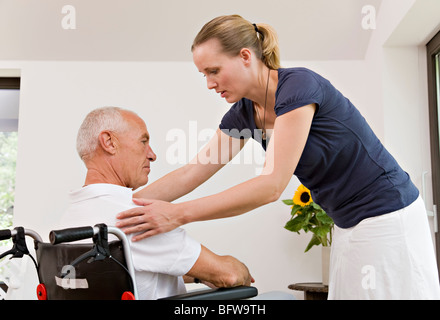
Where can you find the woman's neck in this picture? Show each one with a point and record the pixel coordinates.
(266, 80)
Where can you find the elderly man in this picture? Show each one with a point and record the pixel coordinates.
(114, 145)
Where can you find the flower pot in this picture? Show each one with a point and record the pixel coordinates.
(325, 265)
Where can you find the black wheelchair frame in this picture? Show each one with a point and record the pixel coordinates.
(56, 279)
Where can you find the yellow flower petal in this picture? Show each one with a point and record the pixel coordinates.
(302, 196)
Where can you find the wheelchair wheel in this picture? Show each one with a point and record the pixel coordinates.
(41, 292)
(127, 295)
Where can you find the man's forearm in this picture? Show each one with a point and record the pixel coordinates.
(219, 271)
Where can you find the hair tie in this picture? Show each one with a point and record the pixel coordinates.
(256, 28)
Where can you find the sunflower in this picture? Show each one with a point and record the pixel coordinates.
(302, 196)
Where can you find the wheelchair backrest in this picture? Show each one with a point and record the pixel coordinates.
(88, 280)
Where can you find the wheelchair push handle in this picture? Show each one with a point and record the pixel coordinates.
(5, 234)
(71, 234)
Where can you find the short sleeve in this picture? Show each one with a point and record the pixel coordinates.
(237, 122)
(172, 253)
(296, 90)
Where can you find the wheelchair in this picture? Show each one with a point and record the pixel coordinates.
(101, 270)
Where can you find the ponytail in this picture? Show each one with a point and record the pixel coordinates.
(270, 54)
(236, 33)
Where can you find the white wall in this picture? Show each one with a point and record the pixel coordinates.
(397, 57)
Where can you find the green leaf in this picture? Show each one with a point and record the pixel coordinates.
(295, 209)
(314, 221)
(324, 218)
(289, 202)
(321, 231)
(316, 206)
(313, 242)
(296, 224)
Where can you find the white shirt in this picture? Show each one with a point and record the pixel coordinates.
(159, 261)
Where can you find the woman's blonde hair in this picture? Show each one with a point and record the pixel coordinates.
(236, 33)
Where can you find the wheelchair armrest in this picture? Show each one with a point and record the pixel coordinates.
(235, 293)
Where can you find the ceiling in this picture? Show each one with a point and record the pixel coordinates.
(163, 30)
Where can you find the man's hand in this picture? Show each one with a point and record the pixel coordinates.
(220, 271)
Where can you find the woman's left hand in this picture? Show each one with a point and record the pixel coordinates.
(153, 217)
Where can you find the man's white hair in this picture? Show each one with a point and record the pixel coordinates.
(98, 120)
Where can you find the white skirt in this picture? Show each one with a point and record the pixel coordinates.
(386, 257)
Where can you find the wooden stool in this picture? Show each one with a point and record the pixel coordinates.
(312, 290)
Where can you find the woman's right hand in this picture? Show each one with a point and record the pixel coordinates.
(151, 218)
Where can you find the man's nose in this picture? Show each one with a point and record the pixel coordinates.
(151, 155)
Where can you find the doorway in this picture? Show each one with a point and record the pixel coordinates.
(433, 51)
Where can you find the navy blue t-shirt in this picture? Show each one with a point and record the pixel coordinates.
(347, 169)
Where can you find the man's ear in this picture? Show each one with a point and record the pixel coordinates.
(107, 141)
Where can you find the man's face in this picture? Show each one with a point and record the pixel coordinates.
(134, 153)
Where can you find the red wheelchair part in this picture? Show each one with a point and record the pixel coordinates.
(41, 292)
(127, 295)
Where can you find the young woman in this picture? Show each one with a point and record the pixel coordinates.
(381, 248)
